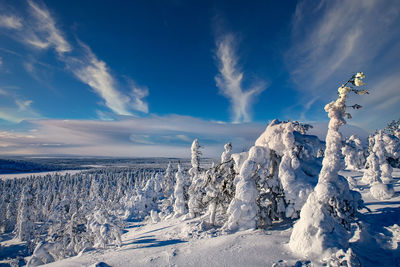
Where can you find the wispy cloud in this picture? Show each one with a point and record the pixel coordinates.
(137, 95)
(42, 32)
(95, 73)
(23, 105)
(307, 107)
(10, 22)
(16, 109)
(47, 30)
(333, 39)
(230, 78)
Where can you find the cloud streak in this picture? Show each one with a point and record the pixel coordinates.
(15, 108)
(164, 136)
(332, 40)
(95, 73)
(40, 31)
(128, 136)
(10, 22)
(230, 79)
(46, 27)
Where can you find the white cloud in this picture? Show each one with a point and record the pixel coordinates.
(10, 22)
(23, 105)
(18, 112)
(46, 28)
(1, 62)
(230, 78)
(95, 73)
(14, 108)
(167, 136)
(87, 68)
(307, 107)
(42, 33)
(130, 136)
(138, 94)
(34, 41)
(334, 39)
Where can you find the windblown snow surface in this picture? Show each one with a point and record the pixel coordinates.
(193, 243)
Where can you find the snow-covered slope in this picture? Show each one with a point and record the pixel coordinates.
(192, 243)
(170, 244)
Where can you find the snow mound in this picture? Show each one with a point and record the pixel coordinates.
(381, 191)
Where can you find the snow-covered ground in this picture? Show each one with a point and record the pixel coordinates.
(193, 243)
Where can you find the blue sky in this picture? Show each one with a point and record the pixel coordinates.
(143, 78)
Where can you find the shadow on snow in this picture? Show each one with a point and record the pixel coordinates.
(374, 245)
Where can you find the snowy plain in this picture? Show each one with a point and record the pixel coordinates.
(175, 243)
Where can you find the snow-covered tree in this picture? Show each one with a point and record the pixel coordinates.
(179, 193)
(12, 212)
(219, 185)
(283, 177)
(379, 172)
(25, 221)
(271, 197)
(393, 128)
(196, 190)
(103, 231)
(243, 208)
(169, 181)
(293, 168)
(353, 152)
(228, 174)
(324, 224)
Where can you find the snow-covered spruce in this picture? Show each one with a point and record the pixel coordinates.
(168, 182)
(61, 215)
(379, 172)
(26, 220)
(393, 128)
(323, 227)
(354, 155)
(283, 176)
(219, 187)
(179, 193)
(243, 209)
(167, 202)
(295, 155)
(196, 190)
